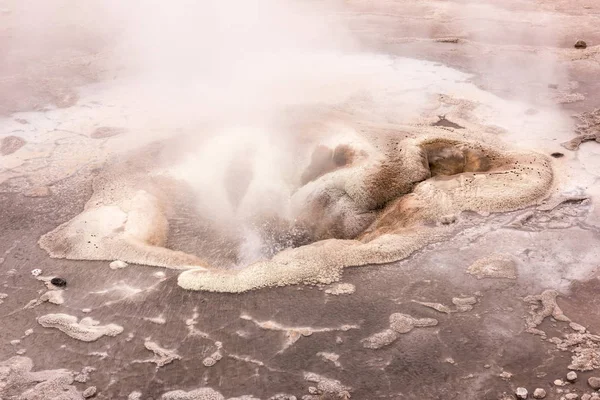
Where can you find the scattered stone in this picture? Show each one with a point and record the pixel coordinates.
(580, 44)
(10, 144)
(36, 272)
(38, 191)
(539, 393)
(571, 396)
(559, 382)
(89, 392)
(572, 376)
(586, 396)
(494, 266)
(134, 396)
(521, 393)
(576, 327)
(58, 282)
(594, 382)
(106, 132)
(117, 264)
(505, 375)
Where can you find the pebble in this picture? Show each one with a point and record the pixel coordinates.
(89, 392)
(580, 44)
(539, 393)
(58, 282)
(521, 393)
(586, 396)
(572, 376)
(36, 272)
(594, 382)
(559, 382)
(571, 396)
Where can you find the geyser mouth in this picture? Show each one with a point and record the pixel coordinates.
(370, 200)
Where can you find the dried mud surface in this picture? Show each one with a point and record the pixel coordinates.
(502, 298)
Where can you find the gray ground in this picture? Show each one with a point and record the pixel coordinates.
(299, 340)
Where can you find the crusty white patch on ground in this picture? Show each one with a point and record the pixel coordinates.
(399, 324)
(118, 264)
(341, 288)
(88, 330)
(326, 387)
(494, 266)
(162, 356)
(18, 381)
(197, 394)
(330, 357)
(293, 334)
(84, 375)
(584, 346)
(51, 296)
(462, 304)
(542, 306)
(160, 320)
(214, 357)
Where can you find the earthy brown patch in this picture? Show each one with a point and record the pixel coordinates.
(10, 144)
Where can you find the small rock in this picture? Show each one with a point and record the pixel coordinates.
(557, 154)
(539, 393)
(594, 382)
(521, 393)
(571, 396)
(58, 282)
(506, 375)
(576, 327)
(89, 392)
(586, 396)
(580, 44)
(36, 272)
(572, 376)
(559, 382)
(313, 390)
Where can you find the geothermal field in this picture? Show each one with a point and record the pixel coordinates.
(300, 199)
